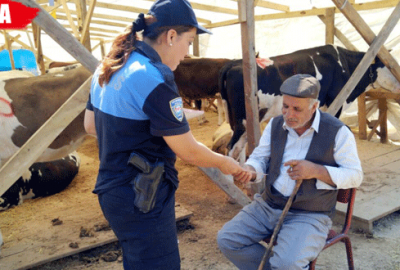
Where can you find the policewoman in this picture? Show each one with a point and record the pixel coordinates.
(136, 112)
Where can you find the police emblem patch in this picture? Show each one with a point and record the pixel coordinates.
(176, 106)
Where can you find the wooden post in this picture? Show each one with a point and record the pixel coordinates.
(246, 18)
(382, 105)
(196, 46)
(346, 42)
(86, 17)
(366, 61)
(103, 53)
(362, 117)
(38, 43)
(70, 20)
(9, 48)
(368, 35)
(330, 26)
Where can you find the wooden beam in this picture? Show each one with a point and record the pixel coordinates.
(102, 50)
(71, 21)
(347, 43)
(97, 29)
(368, 35)
(39, 51)
(330, 26)
(88, 18)
(208, 8)
(62, 36)
(11, 40)
(270, 5)
(101, 22)
(225, 182)
(31, 48)
(307, 13)
(196, 46)
(102, 16)
(246, 11)
(366, 61)
(10, 52)
(362, 117)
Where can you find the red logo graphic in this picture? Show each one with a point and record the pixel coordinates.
(14, 15)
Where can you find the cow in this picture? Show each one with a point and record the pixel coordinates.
(26, 104)
(197, 78)
(331, 65)
(42, 179)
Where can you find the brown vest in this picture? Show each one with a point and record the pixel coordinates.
(308, 198)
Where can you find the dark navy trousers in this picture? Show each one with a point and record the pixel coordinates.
(149, 241)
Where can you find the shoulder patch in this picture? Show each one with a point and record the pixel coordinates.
(176, 106)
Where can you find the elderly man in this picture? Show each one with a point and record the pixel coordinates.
(303, 143)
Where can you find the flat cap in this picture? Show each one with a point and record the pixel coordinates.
(302, 86)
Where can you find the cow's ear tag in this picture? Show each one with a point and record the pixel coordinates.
(176, 106)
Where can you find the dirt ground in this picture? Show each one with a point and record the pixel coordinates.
(197, 238)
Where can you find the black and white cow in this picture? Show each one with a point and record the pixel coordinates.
(42, 179)
(331, 65)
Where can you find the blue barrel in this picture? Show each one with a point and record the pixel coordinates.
(23, 60)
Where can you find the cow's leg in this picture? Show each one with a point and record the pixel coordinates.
(220, 110)
(239, 147)
(226, 113)
(1, 241)
(201, 119)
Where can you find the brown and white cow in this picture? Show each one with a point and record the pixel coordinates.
(197, 78)
(26, 103)
(331, 65)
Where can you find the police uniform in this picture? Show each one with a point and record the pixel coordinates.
(139, 106)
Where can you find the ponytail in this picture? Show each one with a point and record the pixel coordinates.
(121, 49)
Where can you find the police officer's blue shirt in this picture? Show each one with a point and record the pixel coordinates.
(139, 106)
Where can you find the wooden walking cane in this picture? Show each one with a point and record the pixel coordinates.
(278, 225)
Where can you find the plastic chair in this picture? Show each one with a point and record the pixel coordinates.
(344, 196)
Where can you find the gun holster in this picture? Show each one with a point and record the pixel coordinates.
(146, 183)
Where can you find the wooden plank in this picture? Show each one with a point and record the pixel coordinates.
(62, 36)
(10, 38)
(382, 106)
(306, 13)
(366, 61)
(330, 26)
(85, 22)
(10, 52)
(225, 182)
(30, 255)
(39, 51)
(368, 35)
(250, 74)
(196, 46)
(70, 20)
(382, 93)
(101, 22)
(270, 5)
(211, 8)
(26, 46)
(362, 117)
